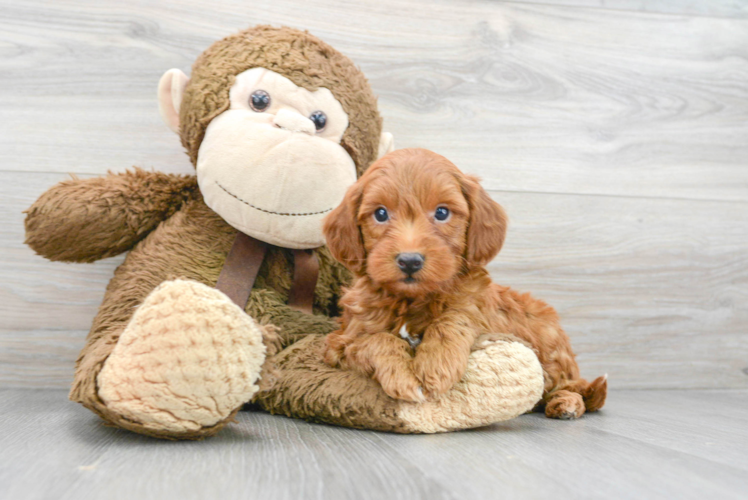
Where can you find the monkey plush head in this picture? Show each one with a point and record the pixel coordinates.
(278, 125)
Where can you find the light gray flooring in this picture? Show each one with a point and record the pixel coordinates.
(644, 444)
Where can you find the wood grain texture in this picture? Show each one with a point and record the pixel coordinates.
(532, 97)
(718, 8)
(615, 139)
(643, 444)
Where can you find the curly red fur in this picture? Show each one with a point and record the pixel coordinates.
(447, 303)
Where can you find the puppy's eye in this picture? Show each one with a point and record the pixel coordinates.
(259, 100)
(441, 214)
(381, 215)
(319, 119)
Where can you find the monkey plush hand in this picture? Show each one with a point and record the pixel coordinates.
(208, 310)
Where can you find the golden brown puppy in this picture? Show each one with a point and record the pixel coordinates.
(416, 232)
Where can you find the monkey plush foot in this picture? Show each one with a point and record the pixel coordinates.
(503, 380)
(186, 361)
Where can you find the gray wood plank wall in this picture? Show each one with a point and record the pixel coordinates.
(615, 134)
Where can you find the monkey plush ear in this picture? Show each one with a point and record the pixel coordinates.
(487, 224)
(170, 91)
(386, 144)
(342, 233)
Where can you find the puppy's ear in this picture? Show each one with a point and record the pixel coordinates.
(487, 223)
(342, 233)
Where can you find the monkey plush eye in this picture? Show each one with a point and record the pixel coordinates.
(441, 214)
(259, 100)
(319, 119)
(381, 215)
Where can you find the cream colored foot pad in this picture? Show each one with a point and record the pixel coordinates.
(188, 358)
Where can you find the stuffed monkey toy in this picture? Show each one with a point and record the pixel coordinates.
(228, 290)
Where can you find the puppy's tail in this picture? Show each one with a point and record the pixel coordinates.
(595, 393)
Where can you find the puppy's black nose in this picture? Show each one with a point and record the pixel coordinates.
(409, 263)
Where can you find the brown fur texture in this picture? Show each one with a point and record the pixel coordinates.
(503, 380)
(170, 232)
(103, 217)
(450, 301)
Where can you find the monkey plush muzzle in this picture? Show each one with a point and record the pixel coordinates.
(268, 168)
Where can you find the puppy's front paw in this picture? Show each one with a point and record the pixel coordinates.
(406, 388)
(333, 350)
(436, 378)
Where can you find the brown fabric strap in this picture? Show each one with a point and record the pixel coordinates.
(243, 263)
(240, 270)
(305, 273)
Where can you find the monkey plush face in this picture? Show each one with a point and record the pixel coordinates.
(276, 142)
(278, 125)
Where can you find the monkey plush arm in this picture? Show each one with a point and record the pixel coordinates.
(83, 220)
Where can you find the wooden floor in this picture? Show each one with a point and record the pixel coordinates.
(644, 444)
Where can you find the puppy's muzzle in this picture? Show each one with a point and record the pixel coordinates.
(409, 263)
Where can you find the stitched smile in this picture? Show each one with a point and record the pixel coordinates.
(268, 211)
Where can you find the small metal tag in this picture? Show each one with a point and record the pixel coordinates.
(414, 342)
